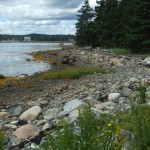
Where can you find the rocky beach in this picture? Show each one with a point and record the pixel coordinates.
(32, 105)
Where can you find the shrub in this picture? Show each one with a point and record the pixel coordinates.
(90, 134)
(71, 73)
(119, 51)
(142, 97)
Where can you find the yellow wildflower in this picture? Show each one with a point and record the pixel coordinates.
(109, 125)
(115, 143)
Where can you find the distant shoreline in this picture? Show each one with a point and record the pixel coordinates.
(36, 42)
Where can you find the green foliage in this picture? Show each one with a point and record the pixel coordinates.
(90, 134)
(1, 140)
(142, 97)
(102, 131)
(137, 120)
(141, 123)
(83, 24)
(119, 23)
(119, 51)
(71, 73)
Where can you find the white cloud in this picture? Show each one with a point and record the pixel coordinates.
(39, 16)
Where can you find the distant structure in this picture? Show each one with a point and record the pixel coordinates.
(72, 41)
(27, 39)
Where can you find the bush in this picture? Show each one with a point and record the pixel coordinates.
(119, 51)
(71, 73)
(92, 133)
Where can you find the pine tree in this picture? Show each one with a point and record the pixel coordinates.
(140, 30)
(84, 20)
(107, 20)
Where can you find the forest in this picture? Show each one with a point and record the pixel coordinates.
(37, 37)
(115, 24)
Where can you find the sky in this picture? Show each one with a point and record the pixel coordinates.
(39, 16)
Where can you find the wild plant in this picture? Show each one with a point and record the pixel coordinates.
(92, 133)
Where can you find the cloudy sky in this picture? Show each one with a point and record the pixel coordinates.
(39, 16)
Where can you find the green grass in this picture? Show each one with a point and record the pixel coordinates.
(119, 51)
(71, 73)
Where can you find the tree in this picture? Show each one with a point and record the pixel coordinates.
(107, 23)
(140, 30)
(84, 21)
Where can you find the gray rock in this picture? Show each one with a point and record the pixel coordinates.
(122, 100)
(126, 92)
(31, 113)
(146, 61)
(114, 97)
(46, 126)
(74, 114)
(15, 141)
(133, 80)
(70, 106)
(128, 136)
(51, 113)
(63, 113)
(16, 110)
(10, 126)
(106, 105)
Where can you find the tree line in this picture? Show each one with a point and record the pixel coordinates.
(115, 23)
(37, 37)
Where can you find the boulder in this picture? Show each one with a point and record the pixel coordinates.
(16, 110)
(125, 92)
(31, 113)
(74, 104)
(26, 131)
(133, 80)
(113, 97)
(146, 61)
(74, 114)
(51, 113)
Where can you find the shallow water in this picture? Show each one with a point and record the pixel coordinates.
(13, 58)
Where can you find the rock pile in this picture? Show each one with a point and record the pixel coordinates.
(40, 107)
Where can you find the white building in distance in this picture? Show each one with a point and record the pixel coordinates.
(27, 39)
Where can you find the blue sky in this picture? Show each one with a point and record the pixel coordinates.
(39, 16)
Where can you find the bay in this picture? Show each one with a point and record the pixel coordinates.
(13, 58)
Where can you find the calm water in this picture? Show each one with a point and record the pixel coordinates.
(13, 58)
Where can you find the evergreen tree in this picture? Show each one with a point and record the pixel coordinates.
(84, 20)
(107, 20)
(139, 40)
(118, 23)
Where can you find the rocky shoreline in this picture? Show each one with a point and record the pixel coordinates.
(35, 105)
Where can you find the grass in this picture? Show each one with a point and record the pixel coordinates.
(71, 73)
(6, 80)
(45, 56)
(119, 51)
(41, 58)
